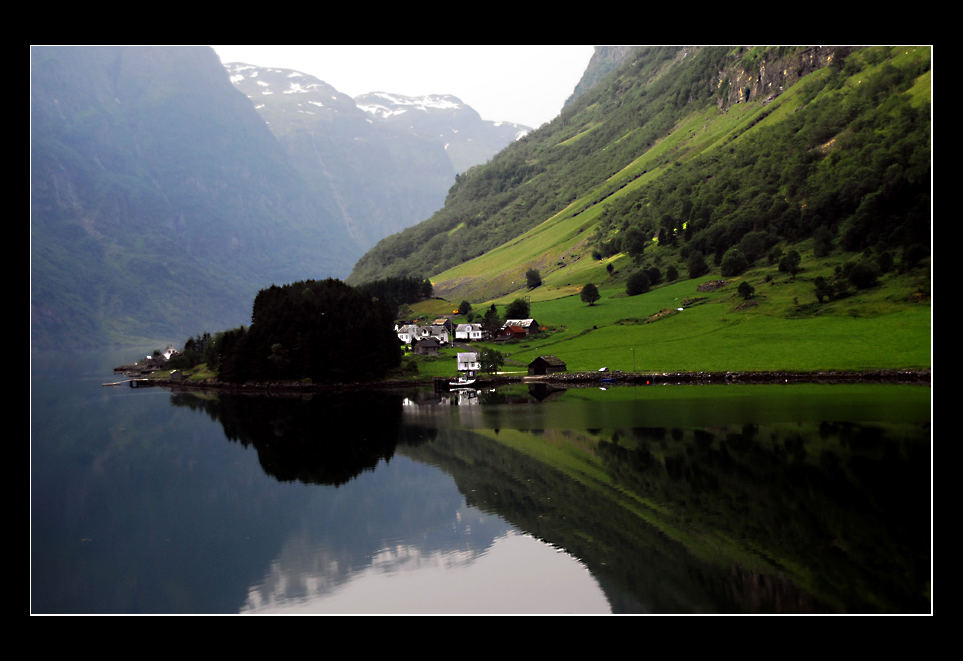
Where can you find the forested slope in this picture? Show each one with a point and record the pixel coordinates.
(699, 150)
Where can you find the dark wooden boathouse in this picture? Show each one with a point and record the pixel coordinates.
(546, 365)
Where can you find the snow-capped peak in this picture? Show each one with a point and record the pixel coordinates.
(385, 104)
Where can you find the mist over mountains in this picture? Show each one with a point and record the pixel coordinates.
(163, 198)
(167, 189)
(385, 160)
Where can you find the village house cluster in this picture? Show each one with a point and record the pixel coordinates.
(427, 339)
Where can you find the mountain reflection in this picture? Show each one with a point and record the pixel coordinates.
(671, 508)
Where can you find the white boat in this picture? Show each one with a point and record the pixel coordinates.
(462, 382)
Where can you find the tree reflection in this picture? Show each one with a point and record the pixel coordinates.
(842, 508)
(327, 439)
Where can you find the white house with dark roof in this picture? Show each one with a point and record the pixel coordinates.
(469, 332)
(440, 333)
(530, 325)
(468, 362)
(407, 333)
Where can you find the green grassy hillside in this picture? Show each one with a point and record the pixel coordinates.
(782, 326)
(834, 167)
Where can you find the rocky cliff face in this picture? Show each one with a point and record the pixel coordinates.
(752, 73)
(773, 71)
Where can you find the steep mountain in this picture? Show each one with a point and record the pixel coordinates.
(605, 60)
(386, 159)
(686, 151)
(441, 118)
(160, 201)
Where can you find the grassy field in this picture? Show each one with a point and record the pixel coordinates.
(782, 327)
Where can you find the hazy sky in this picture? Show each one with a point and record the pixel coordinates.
(522, 84)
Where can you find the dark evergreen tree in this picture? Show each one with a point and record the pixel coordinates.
(733, 262)
(517, 309)
(746, 290)
(790, 263)
(590, 294)
(638, 283)
(492, 322)
(824, 289)
(697, 265)
(634, 243)
(533, 278)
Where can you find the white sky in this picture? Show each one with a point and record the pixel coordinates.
(522, 84)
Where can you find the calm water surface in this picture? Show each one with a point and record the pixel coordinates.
(660, 499)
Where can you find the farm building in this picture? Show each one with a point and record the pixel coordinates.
(528, 326)
(511, 333)
(546, 365)
(427, 347)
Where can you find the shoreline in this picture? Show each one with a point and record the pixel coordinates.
(573, 379)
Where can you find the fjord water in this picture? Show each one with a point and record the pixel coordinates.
(659, 499)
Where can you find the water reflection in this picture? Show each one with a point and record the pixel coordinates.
(641, 500)
(395, 541)
(790, 515)
(315, 440)
(533, 577)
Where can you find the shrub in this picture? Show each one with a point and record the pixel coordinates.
(733, 262)
(746, 290)
(697, 265)
(824, 288)
(790, 263)
(754, 244)
(638, 283)
(861, 275)
(822, 241)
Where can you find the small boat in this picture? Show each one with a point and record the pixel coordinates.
(461, 382)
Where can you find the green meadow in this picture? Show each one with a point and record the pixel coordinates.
(782, 326)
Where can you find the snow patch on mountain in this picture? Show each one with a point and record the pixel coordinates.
(385, 104)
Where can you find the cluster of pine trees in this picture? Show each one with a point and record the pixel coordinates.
(396, 291)
(323, 330)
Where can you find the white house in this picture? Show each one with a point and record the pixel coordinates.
(469, 332)
(468, 362)
(440, 333)
(407, 333)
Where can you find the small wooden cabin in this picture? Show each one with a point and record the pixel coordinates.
(427, 347)
(546, 365)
